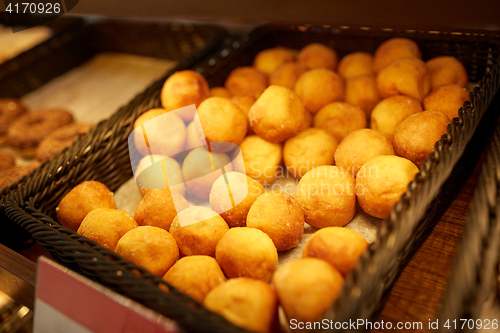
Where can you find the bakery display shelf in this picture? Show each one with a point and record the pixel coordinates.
(186, 44)
(473, 289)
(32, 206)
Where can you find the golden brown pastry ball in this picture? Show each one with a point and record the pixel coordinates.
(197, 170)
(362, 91)
(393, 49)
(307, 288)
(155, 131)
(316, 55)
(355, 64)
(280, 217)
(195, 276)
(245, 302)
(262, 158)
(339, 119)
(158, 208)
(447, 70)
(232, 200)
(247, 252)
(360, 146)
(244, 81)
(308, 120)
(245, 103)
(308, 149)
(380, 183)
(407, 76)
(219, 92)
(81, 200)
(277, 115)
(106, 226)
(194, 137)
(390, 112)
(149, 247)
(287, 75)
(182, 89)
(415, 136)
(222, 121)
(319, 87)
(197, 230)
(268, 60)
(326, 195)
(447, 99)
(154, 176)
(341, 247)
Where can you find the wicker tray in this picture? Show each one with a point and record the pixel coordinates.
(474, 280)
(367, 287)
(70, 49)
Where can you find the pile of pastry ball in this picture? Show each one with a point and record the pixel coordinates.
(289, 114)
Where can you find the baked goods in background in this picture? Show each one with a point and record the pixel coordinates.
(245, 103)
(10, 110)
(308, 121)
(244, 81)
(106, 226)
(219, 92)
(339, 119)
(319, 87)
(247, 252)
(393, 49)
(81, 200)
(287, 75)
(362, 91)
(7, 160)
(381, 181)
(150, 247)
(10, 175)
(446, 70)
(317, 55)
(447, 99)
(277, 114)
(149, 174)
(326, 195)
(280, 217)
(355, 64)
(247, 303)
(267, 61)
(195, 276)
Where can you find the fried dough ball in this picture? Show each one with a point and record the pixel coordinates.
(341, 247)
(248, 303)
(244, 81)
(390, 112)
(222, 121)
(407, 76)
(393, 49)
(380, 183)
(159, 143)
(277, 115)
(219, 92)
(195, 276)
(362, 91)
(182, 89)
(360, 146)
(287, 75)
(316, 55)
(307, 288)
(447, 70)
(194, 138)
(339, 119)
(197, 230)
(415, 136)
(447, 99)
(319, 87)
(154, 178)
(158, 208)
(308, 121)
(106, 226)
(197, 170)
(149, 247)
(308, 149)
(268, 60)
(247, 252)
(280, 217)
(81, 200)
(245, 103)
(262, 158)
(326, 195)
(355, 64)
(240, 190)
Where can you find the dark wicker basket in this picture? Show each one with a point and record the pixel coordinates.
(71, 48)
(32, 206)
(475, 274)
